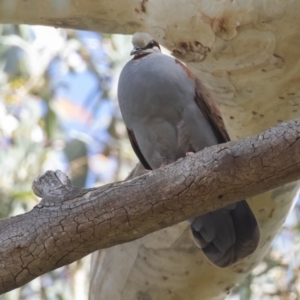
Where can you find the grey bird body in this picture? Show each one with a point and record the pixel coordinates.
(168, 113)
(166, 121)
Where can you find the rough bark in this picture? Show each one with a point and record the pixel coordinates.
(70, 223)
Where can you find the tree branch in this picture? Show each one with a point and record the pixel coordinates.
(112, 16)
(70, 223)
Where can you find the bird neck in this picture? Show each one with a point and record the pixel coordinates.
(138, 56)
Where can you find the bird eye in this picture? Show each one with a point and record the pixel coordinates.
(150, 45)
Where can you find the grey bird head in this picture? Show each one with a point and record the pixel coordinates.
(143, 43)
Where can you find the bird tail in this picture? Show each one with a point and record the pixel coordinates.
(227, 235)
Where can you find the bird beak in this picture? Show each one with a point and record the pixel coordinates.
(135, 50)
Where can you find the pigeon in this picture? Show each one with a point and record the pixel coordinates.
(168, 113)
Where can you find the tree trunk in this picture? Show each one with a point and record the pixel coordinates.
(247, 54)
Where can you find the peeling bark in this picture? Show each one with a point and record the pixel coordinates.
(70, 223)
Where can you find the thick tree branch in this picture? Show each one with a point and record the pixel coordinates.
(70, 223)
(106, 16)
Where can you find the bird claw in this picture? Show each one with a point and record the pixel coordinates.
(162, 166)
(189, 153)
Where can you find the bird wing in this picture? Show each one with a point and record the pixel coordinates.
(211, 112)
(137, 149)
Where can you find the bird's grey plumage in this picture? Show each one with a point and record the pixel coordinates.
(167, 115)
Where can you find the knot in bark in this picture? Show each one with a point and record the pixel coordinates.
(52, 186)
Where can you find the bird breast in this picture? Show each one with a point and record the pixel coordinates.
(154, 86)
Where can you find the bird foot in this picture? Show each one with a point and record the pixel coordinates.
(162, 166)
(189, 153)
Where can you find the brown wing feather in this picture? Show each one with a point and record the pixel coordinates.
(137, 149)
(211, 112)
